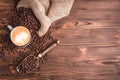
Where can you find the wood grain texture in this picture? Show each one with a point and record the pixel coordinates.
(89, 48)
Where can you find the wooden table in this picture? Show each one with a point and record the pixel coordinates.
(90, 43)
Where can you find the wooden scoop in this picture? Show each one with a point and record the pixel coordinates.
(31, 62)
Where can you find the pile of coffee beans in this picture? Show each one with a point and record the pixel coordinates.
(14, 54)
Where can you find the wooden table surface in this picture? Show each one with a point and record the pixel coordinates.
(90, 43)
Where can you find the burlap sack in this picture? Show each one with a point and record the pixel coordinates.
(47, 11)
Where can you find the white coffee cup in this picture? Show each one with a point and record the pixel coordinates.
(20, 35)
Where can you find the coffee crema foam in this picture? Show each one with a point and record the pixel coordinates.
(20, 36)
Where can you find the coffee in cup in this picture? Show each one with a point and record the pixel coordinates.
(20, 35)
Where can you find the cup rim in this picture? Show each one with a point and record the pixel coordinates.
(14, 42)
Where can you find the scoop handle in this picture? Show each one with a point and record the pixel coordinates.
(48, 49)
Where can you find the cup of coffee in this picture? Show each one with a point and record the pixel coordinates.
(20, 35)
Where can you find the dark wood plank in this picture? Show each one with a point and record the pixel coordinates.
(96, 22)
(5, 7)
(88, 36)
(79, 62)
